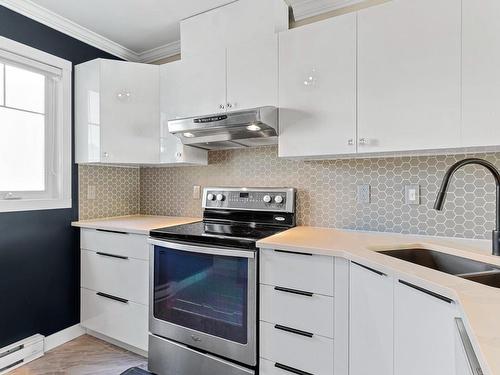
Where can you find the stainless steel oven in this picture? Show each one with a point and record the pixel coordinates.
(203, 283)
(205, 297)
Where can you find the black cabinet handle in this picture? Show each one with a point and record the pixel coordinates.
(111, 231)
(291, 369)
(292, 252)
(112, 255)
(293, 291)
(430, 293)
(293, 330)
(369, 268)
(114, 298)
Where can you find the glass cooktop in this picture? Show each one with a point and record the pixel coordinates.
(241, 235)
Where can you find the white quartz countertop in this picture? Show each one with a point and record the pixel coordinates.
(479, 304)
(137, 224)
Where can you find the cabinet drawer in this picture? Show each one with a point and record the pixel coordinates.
(120, 276)
(123, 321)
(310, 354)
(124, 244)
(312, 273)
(313, 313)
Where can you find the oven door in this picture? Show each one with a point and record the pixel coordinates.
(205, 297)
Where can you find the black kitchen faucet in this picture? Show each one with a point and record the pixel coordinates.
(438, 205)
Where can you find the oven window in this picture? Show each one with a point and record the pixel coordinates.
(203, 292)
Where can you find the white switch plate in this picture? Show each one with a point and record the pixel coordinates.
(412, 194)
(364, 194)
(91, 192)
(196, 191)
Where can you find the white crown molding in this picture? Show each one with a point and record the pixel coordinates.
(159, 53)
(53, 20)
(309, 8)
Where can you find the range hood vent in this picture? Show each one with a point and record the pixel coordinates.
(246, 128)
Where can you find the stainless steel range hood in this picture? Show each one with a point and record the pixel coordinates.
(246, 128)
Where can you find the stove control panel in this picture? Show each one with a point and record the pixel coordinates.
(253, 199)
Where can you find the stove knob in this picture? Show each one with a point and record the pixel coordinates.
(278, 199)
(210, 197)
(267, 198)
(220, 197)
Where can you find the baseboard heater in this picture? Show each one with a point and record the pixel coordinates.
(21, 352)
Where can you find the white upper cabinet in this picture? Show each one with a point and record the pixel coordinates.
(371, 323)
(117, 112)
(409, 55)
(424, 333)
(200, 85)
(252, 74)
(172, 151)
(317, 89)
(481, 73)
(238, 22)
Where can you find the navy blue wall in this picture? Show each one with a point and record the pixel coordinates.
(39, 251)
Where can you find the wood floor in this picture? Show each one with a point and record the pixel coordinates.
(82, 356)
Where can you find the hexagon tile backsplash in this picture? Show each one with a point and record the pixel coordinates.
(326, 190)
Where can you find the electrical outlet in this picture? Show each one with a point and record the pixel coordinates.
(196, 191)
(412, 194)
(364, 194)
(91, 192)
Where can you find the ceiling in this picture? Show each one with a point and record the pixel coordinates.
(137, 30)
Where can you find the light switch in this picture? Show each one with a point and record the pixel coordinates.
(412, 194)
(91, 192)
(364, 194)
(196, 191)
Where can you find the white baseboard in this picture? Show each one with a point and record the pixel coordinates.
(120, 344)
(62, 337)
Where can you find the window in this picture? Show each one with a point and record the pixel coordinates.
(35, 129)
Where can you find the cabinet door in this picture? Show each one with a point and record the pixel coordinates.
(317, 88)
(481, 75)
(252, 74)
(424, 333)
(172, 151)
(129, 112)
(371, 322)
(409, 76)
(201, 85)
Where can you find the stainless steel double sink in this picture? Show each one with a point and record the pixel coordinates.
(469, 269)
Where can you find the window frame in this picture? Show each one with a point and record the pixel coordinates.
(58, 124)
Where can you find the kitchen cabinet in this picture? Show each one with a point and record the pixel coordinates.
(424, 332)
(172, 151)
(317, 89)
(114, 286)
(409, 56)
(117, 112)
(371, 323)
(252, 74)
(231, 25)
(480, 73)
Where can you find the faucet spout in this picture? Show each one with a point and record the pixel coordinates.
(441, 197)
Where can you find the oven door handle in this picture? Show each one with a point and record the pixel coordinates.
(230, 252)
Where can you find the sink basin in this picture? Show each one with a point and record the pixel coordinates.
(443, 262)
(487, 278)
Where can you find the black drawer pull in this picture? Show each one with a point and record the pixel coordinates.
(293, 330)
(112, 255)
(114, 298)
(369, 268)
(292, 252)
(11, 365)
(111, 231)
(430, 293)
(291, 369)
(293, 291)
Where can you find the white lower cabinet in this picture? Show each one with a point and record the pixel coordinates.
(114, 285)
(371, 321)
(424, 331)
(125, 321)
